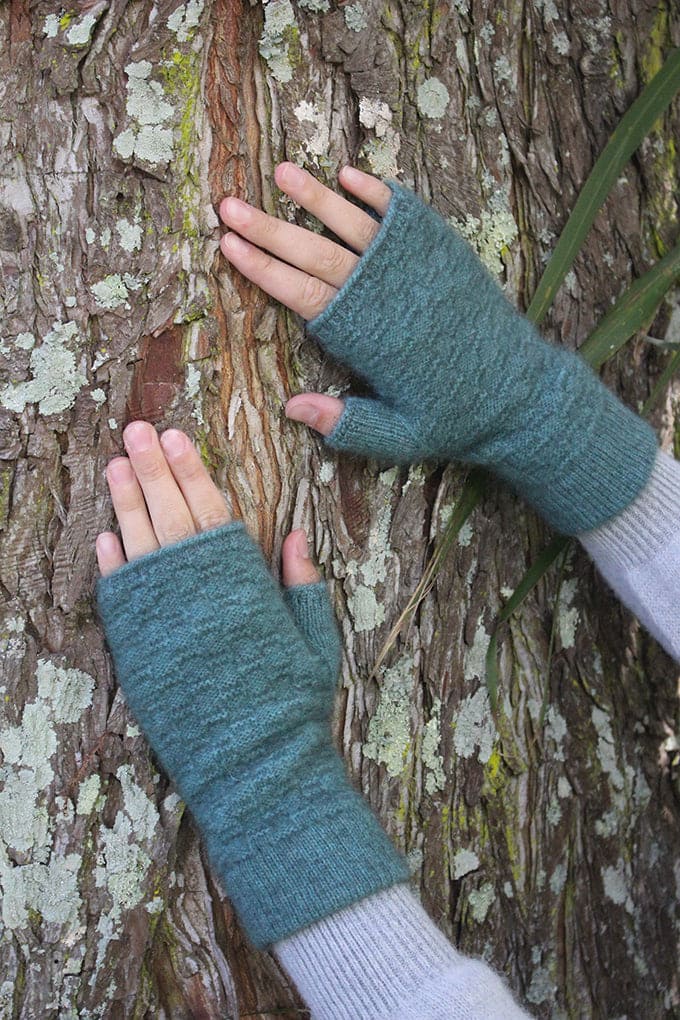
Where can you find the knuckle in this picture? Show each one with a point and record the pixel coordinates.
(333, 260)
(366, 229)
(268, 226)
(315, 294)
(177, 532)
(128, 503)
(191, 469)
(214, 517)
(152, 470)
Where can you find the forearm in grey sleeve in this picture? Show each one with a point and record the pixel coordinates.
(638, 553)
(383, 958)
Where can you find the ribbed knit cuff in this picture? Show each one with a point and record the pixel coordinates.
(384, 958)
(608, 464)
(636, 534)
(338, 854)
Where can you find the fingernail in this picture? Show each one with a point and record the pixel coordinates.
(351, 175)
(138, 436)
(106, 544)
(307, 413)
(237, 211)
(235, 244)
(119, 470)
(292, 174)
(173, 442)
(301, 546)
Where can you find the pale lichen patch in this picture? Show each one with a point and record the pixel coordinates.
(56, 379)
(192, 388)
(355, 17)
(563, 787)
(87, 794)
(556, 730)
(561, 43)
(615, 885)
(79, 33)
(318, 142)
(432, 98)
(475, 656)
(51, 26)
(123, 864)
(558, 878)
(47, 884)
(435, 777)
(147, 106)
(542, 987)
(279, 20)
(567, 615)
(185, 20)
(68, 691)
(491, 234)
(367, 612)
(503, 70)
(465, 534)
(111, 292)
(474, 727)
(129, 235)
(606, 748)
(382, 150)
(389, 731)
(480, 901)
(464, 861)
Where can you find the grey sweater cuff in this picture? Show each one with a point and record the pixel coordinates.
(637, 534)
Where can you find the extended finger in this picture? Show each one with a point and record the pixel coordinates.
(351, 224)
(110, 553)
(170, 515)
(302, 248)
(127, 497)
(207, 505)
(367, 188)
(307, 295)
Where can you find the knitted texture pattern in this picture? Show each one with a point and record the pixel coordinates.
(233, 684)
(459, 374)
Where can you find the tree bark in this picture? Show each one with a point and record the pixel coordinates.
(544, 839)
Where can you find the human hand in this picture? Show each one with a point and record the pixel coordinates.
(456, 371)
(162, 494)
(298, 267)
(232, 681)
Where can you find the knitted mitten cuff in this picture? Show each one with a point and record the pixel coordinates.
(233, 684)
(459, 374)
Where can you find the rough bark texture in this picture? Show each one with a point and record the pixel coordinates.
(550, 849)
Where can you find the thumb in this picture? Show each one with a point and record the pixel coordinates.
(307, 598)
(316, 410)
(298, 568)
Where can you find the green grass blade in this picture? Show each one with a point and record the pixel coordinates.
(629, 133)
(528, 582)
(633, 311)
(630, 313)
(669, 371)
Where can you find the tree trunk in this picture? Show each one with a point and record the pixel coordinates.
(546, 838)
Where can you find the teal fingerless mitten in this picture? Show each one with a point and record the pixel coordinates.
(460, 374)
(232, 681)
